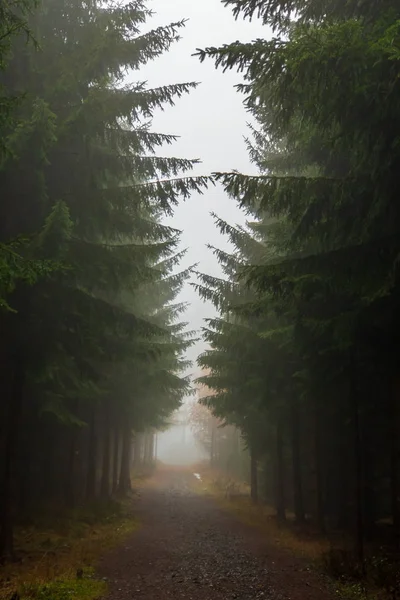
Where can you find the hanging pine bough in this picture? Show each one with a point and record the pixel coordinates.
(311, 354)
(92, 349)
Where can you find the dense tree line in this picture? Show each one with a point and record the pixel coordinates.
(304, 353)
(91, 345)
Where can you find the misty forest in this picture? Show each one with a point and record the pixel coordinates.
(293, 408)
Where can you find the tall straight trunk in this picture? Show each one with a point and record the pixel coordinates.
(253, 476)
(359, 525)
(28, 443)
(137, 451)
(212, 451)
(80, 465)
(125, 475)
(146, 458)
(70, 475)
(26, 484)
(115, 459)
(319, 466)
(296, 461)
(92, 459)
(151, 448)
(280, 473)
(395, 461)
(11, 443)
(105, 474)
(343, 484)
(69, 488)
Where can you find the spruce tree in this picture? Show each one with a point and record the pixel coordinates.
(327, 154)
(88, 356)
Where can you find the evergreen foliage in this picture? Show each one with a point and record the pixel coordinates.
(306, 347)
(91, 349)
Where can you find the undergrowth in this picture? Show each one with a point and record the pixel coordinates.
(376, 578)
(57, 554)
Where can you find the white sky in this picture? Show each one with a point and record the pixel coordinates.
(211, 122)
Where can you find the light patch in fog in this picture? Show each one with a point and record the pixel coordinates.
(177, 446)
(197, 476)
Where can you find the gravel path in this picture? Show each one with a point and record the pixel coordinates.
(188, 547)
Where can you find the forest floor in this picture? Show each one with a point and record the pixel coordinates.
(189, 546)
(61, 544)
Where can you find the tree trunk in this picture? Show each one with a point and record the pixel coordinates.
(27, 443)
(212, 451)
(69, 488)
(359, 534)
(70, 475)
(80, 464)
(152, 437)
(395, 462)
(105, 475)
(253, 476)
(125, 476)
(319, 468)
(11, 442)
(92, 459)
(297, 477)
(137, 451)
(146, 458)
(115, 459)
(280, 473)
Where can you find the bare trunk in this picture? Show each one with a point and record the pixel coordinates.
(146, 458)
(151, 451)
(394, 462)
(212, 451)
(105, 475)
(297, 478)
(71, 462)
(125, 476)
(92, 460)
(280, 473)
(254, 476)
(11, 441)
(69, 480)
(359, 534)
(137, 451)
(115, 460)
(319, 468)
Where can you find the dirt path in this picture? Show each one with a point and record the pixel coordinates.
(188, 547)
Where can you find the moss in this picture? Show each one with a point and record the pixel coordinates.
(84, 588)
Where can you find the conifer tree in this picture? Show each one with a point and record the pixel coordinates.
(328, 157)
(92, 351)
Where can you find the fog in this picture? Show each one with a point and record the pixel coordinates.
(177, 446)
(211, 122)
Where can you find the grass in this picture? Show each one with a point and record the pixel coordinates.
(67, 588)
(58, 555)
